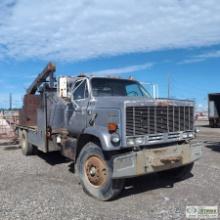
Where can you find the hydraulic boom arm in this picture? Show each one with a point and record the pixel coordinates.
(41, 78)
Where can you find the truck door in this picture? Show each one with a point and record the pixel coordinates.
(80, 99)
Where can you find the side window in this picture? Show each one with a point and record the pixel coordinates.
(81, 90)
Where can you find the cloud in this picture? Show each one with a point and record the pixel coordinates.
(210, 54)
(127, 69)
(201, 57)
(202, 107)
(83, 29)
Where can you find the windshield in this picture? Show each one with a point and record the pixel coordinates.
(117, 87)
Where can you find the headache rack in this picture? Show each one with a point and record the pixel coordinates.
(148, 120)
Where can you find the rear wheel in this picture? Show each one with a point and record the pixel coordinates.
(178, 173)
(95, 174)
(212, 123)
(27, 148)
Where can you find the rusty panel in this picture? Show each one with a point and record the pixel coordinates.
(28, 114)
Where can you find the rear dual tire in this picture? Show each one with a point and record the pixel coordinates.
(26, 148)
(214, 123)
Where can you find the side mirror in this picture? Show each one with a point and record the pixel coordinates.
(75, 106)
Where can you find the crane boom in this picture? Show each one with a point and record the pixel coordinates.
(48, 71)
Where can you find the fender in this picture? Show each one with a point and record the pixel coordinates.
(103, 135)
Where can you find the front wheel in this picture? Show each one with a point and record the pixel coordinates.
(95, 174)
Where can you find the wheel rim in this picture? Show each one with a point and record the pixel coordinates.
(96, 171)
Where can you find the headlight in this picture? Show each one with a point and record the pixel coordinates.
(115, 138)
(185, 135)
(135, 141)
(190, 135)
(197, 130)
(130, 142)
(139, 141)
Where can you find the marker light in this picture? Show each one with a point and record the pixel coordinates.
(112, 127)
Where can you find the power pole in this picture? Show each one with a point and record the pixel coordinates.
(168, 86)
(10, 101)
(155, 91)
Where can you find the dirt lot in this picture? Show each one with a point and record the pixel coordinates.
(44, 187)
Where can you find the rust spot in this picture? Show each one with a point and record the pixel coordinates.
(172, 159)
(28, 114)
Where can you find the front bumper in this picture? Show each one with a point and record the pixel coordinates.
(155, 159)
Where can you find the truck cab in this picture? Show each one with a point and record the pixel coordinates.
(112, 129)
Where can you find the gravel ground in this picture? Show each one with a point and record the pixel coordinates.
(44, 187)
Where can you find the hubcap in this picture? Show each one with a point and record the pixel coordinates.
(96, 171)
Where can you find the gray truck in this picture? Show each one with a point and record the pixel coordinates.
(214, 110)
(110, 127)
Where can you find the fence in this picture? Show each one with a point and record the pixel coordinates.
(8, 119)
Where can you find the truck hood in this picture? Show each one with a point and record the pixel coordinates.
(119, 101)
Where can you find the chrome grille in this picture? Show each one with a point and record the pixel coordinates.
(141, 120)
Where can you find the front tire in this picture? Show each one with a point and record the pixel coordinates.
(95, 174)
(27, 148)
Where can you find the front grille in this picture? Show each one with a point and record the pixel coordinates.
(143, 120)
